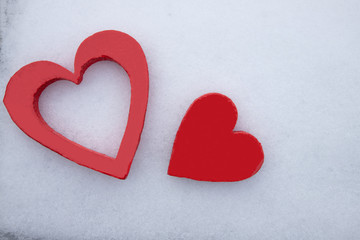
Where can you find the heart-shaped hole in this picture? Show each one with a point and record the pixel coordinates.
(94, 113)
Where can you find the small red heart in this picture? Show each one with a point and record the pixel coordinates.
(24, 89)
(207, 149)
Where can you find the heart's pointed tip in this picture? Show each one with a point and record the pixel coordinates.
(170, 171)
(173, 173)
(121, 176)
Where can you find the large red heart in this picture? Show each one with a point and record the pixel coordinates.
(24, 89)
(207, 149)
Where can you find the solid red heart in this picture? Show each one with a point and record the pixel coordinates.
(207, 149)
(26, 85)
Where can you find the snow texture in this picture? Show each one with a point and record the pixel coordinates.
(291, 67)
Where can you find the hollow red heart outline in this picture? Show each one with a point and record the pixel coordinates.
(26, 85)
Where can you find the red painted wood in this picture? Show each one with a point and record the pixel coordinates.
(26, 85)
(207, 149)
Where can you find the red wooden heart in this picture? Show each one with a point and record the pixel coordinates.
(207, 149)
(24, 89)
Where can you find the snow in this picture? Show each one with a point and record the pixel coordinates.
(291, 67)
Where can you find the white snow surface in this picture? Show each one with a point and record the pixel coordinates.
(291, 67)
